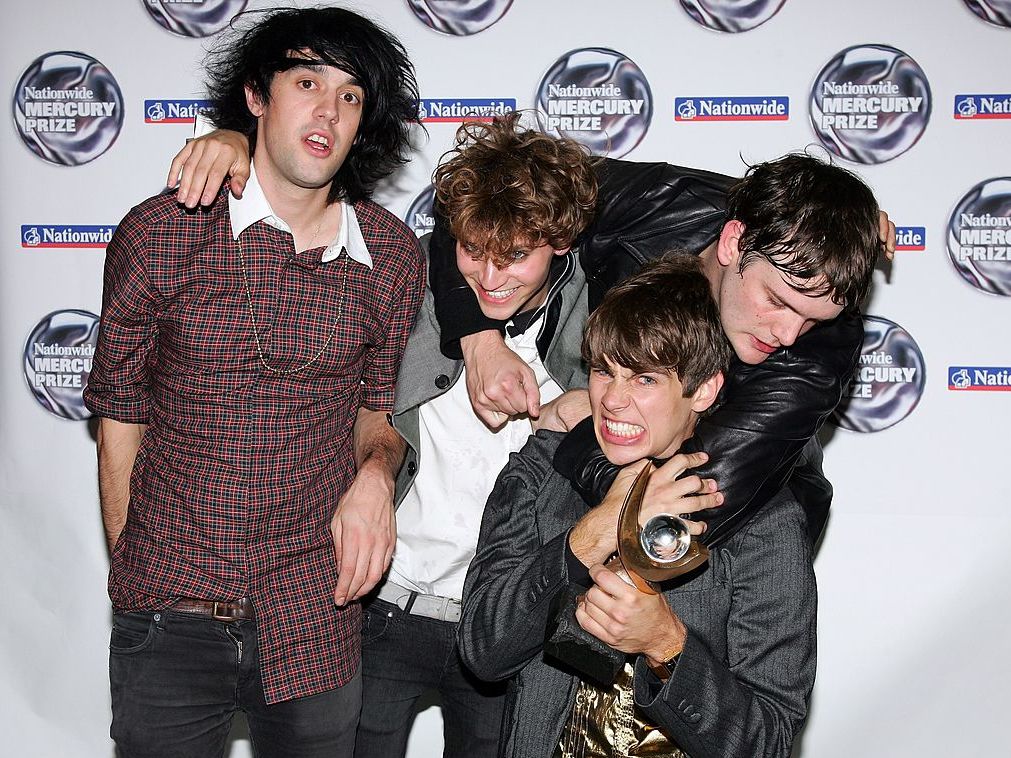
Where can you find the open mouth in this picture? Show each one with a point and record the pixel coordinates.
(318, 143)
(498, 295)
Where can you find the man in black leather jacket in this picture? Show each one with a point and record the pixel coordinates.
(775, 399)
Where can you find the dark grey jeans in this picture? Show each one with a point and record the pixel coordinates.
(178, 680)
(404, 657)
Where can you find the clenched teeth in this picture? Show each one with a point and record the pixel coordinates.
(621, 429)
(320, 139)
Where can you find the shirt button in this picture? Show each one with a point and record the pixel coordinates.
(442, 381)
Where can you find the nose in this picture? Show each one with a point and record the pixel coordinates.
(492, 277)
(327, 108)
(789, 328)
(615, 397)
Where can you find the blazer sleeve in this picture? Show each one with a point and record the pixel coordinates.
(515, 574)
(754, 703)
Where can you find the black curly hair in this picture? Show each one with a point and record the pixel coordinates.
(255, 51)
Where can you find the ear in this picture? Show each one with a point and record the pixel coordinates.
(563, 251)
(726, 249)
(706, 394)
(253, 102)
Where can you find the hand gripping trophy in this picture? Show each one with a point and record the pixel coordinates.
(661, 550)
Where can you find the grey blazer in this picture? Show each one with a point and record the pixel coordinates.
(742, 684)
(425, 373)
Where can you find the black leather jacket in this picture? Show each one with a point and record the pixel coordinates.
(766, 414)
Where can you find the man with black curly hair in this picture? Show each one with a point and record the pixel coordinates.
(243, 380)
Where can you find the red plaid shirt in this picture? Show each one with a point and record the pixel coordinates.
(240, 469)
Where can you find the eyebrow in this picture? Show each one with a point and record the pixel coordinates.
(318, 67)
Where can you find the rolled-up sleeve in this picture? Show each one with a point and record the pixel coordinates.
(408, 288)
(118, 387)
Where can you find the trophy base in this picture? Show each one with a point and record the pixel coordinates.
(576, 648)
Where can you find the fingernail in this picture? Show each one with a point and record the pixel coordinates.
(341, 600)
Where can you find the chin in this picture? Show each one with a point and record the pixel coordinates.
(622, 455)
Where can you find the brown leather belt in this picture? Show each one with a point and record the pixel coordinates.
(238, 610)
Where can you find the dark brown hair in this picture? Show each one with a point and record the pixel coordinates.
(815, 222)
(663, 318)
(503, 185)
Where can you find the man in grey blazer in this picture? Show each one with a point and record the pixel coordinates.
(723, 663)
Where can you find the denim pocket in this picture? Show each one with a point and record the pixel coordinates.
(133, 632)
(377, 617)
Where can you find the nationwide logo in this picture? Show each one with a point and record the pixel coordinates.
(174, 111)
(910, 238)
(773, 108)
(458, 111)
(58, 235)
(979, 378)
(973, 107)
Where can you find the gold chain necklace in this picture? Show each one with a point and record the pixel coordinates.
(252, 315)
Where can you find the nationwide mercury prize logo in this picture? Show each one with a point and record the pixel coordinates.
(979, 236)
(459, 18)
(597, 97)
(870, 103)
(731, 15)
(420, 216)
(57, 361)
(888, 381)
(68, 108)
(194, 18)
(997, 12)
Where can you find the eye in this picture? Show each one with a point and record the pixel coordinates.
(647, 380)
(352, 98)
(601, 372)
(517, 255)
(306, 84)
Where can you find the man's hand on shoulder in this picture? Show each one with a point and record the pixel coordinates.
(499, 382)
(671, 491)
(201, 167)
(886, 230)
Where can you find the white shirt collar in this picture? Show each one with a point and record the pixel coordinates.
(254, 207)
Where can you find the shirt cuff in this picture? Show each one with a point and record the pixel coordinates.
(575, 569)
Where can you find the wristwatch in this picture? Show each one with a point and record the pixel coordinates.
(665, 668)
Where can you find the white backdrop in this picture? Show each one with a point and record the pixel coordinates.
(913, 571)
